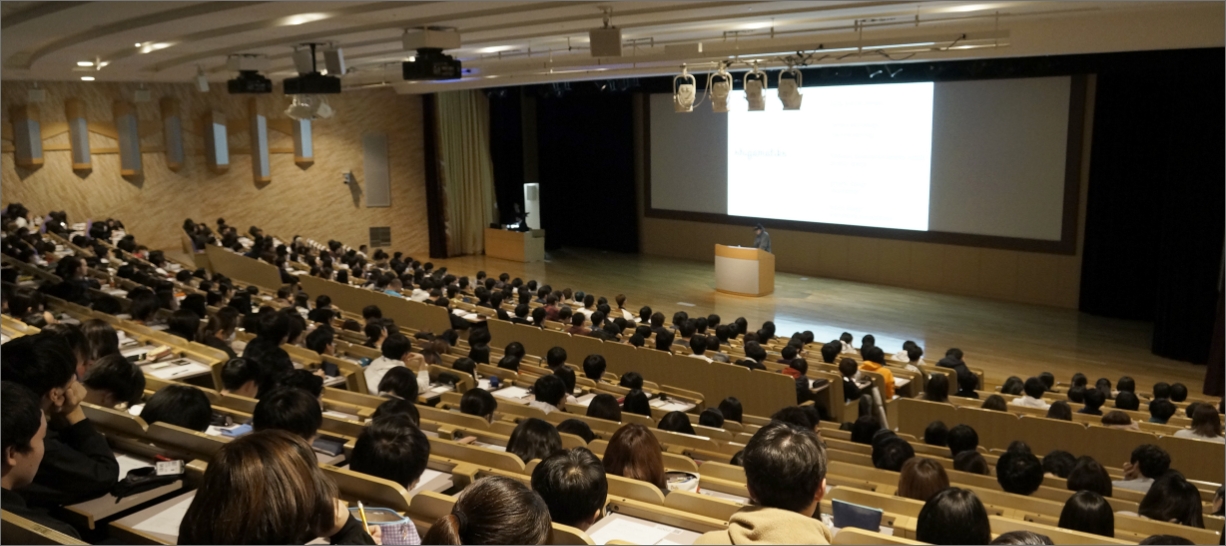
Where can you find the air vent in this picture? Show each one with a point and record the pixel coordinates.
(380, 236)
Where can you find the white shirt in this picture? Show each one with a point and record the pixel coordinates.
(379, 367)
(543, 406)
(1187, 433)
(847, 348)
(419, 295)
(1027, 401)
(1140, 484)
(702, 357)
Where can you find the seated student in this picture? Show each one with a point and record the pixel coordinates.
(23, 435)
(962, 438)
(1120, 420)
(479, 402)
(550, 393)
(555, 357)
(698, 347)
(274, 330)
(995, 402)
(1049, 381)
(936, 434)
(494, 510)
(1058, 463)
(1179, 392)
(289, 409)
(1019, 472)
(1127, 400)
(848, 369)
(864, 428)
(1088, 512)
(798, 370)
(874, 361)
(1033, 398)
(393, 448)
(1060, 410)
(785, 472)
(953, 516)
(322, 341)
(937, 389)
(1088, 475)
(179, 405)
(921, 478)
(967, 383)
(241, 377)
(395, 351)
(375, 332)
(573, 485)
(711, 417)
(1161, 410)
(1206, 425)
(891, 453)
(77, 463)
(578, 428)
(675, 421)
(633, 452)
(845, 342)
(973, 462)
(1172, 499)
(594, 367)
(1094, 399)
(731, 409)
(605, 406)
(219, 330)
(567, 375)
(636, 402)
(1076, 394)
(399, 382)
(534, 439)
(1022, 538)
(113, 382)
(1148, 463)
(296, 500)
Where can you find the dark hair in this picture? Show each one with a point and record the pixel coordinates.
(962, 438)
(573, 485)
(1088, 512)
(847, 367)
(731, 408)
(1206, 421)
(633, 452)
(971, 461)
(921, 478)
(479, 402)
(295, 504)
(567, 376)
(401, 382)
(22, 416)
(864, 428)
(555, 357)
(1059, 463)
(936, 434)
(1151, 460)
(238, 371)
(392, 448)
(892, 453)
(117, 375)
(711, 417)
(494, 510)
(179, 405)
(397, 407)
(1126, 400)
(371, 311)
(102, 338)
(1088, 475)
(1162, 409)
(534, 439)
(594, 367)
(953, 516)
(1060, 410)
(1034, 388)
(1076, 393)
(995, 402)
(550, 389)
(40, 362)
(1019, 472)
(1013, 385)
(578, 428)
(1094, 399)
(395, 346)
(937, 389)
(319, 339)
(288, 409)
(1022, 537)
(1171, 498)
(784, 466)
(676, 421)
(604, 406)
(1166, 540)
(636, 402)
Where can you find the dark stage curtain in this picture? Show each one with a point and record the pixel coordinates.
(1154, 219)
(507, 149)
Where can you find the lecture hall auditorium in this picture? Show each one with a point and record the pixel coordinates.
(504, 272)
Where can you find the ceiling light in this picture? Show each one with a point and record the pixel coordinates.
(303, 18)
(756, 26)
(138, 44)
(85, 63)
(789, 89)
(495, 49)
(155, 46)
(754, 83)
(683, 91)
(87, 78)
(963, 8)
(720, 86)
(103, 64)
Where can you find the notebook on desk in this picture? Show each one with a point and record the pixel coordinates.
(847, 514)
(638, 531)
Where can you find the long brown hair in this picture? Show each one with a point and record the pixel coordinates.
(495, 510)
(1206, 421)
(921, 478)
(634, 453)
(263, 488)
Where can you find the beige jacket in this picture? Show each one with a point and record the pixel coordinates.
(761, 525)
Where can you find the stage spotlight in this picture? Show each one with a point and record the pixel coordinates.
(789, 89)
(754, 82)
(683, 91)
(721, 85)
(892, 73)
(302, 107)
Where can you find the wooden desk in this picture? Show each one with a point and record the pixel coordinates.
(89, 512)
(158, 524)
(516, 246)
(744, 271)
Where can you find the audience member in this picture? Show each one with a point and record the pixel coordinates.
(921, 478)
(1088, 512)
(1206, 425)
(891, 453)
(534, 439)
(1022, 537)
(633, 452)
(1089, 475)
(675, 421)
(1019, 472)
(995, 402)
(395, 352)
(1060, 410)
(479, 402)
(1033, 397)
(605, 406)
(1059, 464)
(962, 438)
(936, 434)
(1172, 499)
(494, 510)
(971, 461)
(573, 485)
(953, 516)
(24, 433)
(1147, 463)
(114, 382)
(179, 405)
(578, 428)
(289, 409)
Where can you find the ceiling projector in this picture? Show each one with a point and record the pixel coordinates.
(249, 79)
(431, 63)
(312, 83)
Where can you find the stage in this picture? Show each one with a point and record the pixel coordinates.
(1002, 338)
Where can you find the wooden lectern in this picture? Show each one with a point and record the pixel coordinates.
(744, 271)
(517, 246)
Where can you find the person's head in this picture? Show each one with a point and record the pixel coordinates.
(1206, 421)
(295, 500)
(921, 478)
(1059, 463)
(995, 402)
(676, 421)
(1151, 461)
(392, 448)
(1117, 418)
(179, 405)
(937, 389)
(936, 434)
(785, 468)
(577, 428)
(863, 429)
(1172, 499)
(396, 346)
(400, 382)
(1126, 384)
(631, 380)
(555, 357)
(848, 367)
(494, 510)
(24, 428)
(371, 312)
(42, 363)
(1034, 387)
(711, 417)
(636, 402)
(605, 406)
(1088, 512)
(1094, 399)
(1019, 472)
(953, 516)
(1076, 394)
(479, 402)
(971, 461)
(754, 351)
(891, 453)
(873, 354)
(962, 438)
(967, 381)
(322, 341)
(1060, 410)
(1021, 538)
(573, 485)
(731, 409)
(113, 380)
(633, 452)
(242, 377)
(1161, 410)
(289, 409)
(274, 327)
(550, 389)
(1166, 540)
(399, 408)
(1088, 475)
(102, 338)
(534, 439)
(594, 367)
(1126, 400)
(1013, 385)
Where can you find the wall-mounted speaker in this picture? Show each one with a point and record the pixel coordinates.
(304, 151)
(27, 136)
(172, 133)
(334, 59)
(261, 169)
(78, 134)
(128, 128)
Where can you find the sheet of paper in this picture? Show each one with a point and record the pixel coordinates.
(901, 381)
(483, 383)
(167, 520)
(632, 530)
(179, 368)
(433, 480)
(342, 415)
(586, 400)
(512, 393)
(725, 496)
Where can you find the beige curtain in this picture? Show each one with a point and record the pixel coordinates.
(466, 169)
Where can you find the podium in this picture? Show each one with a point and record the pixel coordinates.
(744, 271)
(516, 246)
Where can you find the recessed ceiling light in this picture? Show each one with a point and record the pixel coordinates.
(495, 49)
(155, 46)
(85, 63)
(138, 44)
(87, 78)
(103, 64)
(962, 8)
(756, 26)
(303, 18)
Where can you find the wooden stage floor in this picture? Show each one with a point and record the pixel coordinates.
(1002, 338)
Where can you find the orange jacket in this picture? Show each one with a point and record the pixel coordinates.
(870, 366)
